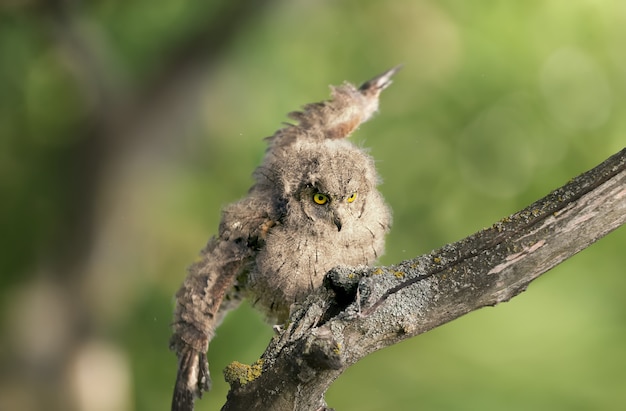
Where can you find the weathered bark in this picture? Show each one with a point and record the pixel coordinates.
(359, 311)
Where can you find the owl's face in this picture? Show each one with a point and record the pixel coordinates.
(331, 183)
(326, 208)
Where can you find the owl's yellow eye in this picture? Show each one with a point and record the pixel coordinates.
(320, 198)
(352, 198)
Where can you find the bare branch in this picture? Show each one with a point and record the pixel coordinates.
(359, 311)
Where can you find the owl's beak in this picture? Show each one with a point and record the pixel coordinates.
(337, 222)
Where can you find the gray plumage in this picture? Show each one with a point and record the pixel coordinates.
(314, 206)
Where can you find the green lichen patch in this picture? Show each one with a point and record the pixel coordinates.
(237, 372)
(337, 348)
(399, 274)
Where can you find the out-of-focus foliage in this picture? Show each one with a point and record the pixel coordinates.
(498, 103)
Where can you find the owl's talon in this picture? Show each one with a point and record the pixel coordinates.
(278, 328)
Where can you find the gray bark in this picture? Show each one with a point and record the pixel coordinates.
(361, 310)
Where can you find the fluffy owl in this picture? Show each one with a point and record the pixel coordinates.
(314, 206)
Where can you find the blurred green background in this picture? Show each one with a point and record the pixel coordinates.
(126, 125)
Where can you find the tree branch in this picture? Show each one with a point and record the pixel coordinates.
(359, 311)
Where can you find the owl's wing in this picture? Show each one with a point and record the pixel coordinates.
(212, 287)
(338, 117)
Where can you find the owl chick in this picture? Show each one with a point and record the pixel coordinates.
(314, 206)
